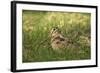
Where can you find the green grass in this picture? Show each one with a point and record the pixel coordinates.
(36, 28)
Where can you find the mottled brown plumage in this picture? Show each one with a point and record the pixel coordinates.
(58, 41)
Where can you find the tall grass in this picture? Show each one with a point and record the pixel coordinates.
(36, 29)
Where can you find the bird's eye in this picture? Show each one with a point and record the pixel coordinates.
(54, 29)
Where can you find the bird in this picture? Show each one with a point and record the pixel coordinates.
(58, 41)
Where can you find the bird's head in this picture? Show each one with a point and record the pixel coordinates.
(55, 31)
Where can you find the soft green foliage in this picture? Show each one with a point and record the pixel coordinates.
(36, 29)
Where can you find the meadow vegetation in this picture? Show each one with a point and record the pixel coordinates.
(36, 26)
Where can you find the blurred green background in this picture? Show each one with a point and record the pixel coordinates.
(36, 26)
